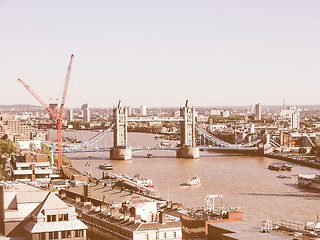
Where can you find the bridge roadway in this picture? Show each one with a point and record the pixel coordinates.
(139, 149)
(155, 119)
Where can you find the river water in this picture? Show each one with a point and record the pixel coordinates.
(244, 181)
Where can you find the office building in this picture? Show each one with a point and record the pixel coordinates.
(86, 112)
(258, 112)
(143, 111)
(69, 115)
(294, 120)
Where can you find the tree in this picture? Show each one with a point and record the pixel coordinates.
(2, 173)
(46, 150)
(65, 160)
(302, 150)
(7, 146)
(315, 150)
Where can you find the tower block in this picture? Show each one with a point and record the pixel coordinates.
(188, 147)
(120, 150)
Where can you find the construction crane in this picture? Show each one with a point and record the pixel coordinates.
(57, 114)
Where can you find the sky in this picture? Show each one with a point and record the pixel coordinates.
(160, 53)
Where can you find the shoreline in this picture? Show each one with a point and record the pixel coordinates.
(294, 160)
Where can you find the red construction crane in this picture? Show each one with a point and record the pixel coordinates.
(57, 114)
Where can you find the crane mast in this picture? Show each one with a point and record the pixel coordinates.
(57, 114)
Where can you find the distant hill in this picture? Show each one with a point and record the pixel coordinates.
(20, 107)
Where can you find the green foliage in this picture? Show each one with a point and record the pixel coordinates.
(65, 160)
(302, 150)
(46, 150)
(2, 173)
(7, 146)
(315, 150)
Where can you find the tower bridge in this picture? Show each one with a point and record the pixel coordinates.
(187, 147)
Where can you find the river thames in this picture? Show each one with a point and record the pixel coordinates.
(244, 181)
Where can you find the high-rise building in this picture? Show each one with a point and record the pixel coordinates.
(86, 112)
(258, 112)
(143, 111)
(69, 115)
(294, 120)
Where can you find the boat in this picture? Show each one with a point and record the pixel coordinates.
(193, 181)
(149, 155)
(165, 144)
(280, 167)
(309, 181)
(283, 176)
(106, 166)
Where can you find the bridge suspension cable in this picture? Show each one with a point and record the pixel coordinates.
(222, 143)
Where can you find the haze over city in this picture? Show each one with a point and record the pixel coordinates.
(159, 53)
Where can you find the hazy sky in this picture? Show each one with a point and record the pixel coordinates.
(158, 53)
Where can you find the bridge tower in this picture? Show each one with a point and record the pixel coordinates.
(188, 147)
(120, 150)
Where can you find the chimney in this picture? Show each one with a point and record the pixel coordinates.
(126, 214)
(175, 205)
(162, 218)
(63, 193)
(50, 187)
(103, 206)
(86, 192)
(33, 175)
(137, 219)
(114, 211)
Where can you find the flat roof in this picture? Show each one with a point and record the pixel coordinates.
(109, 194)
(256, 236)
(236, 226)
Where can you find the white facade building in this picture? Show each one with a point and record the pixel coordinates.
(295, 121)
(143, 111)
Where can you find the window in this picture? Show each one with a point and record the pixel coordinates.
(175, 234)
(78, 233)
(164, 235)
(36, 236)
(63, 234)
(147, 236)
(52, 218)
(51, 235)
(157, 234)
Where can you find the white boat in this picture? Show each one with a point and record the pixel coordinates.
(106, 166)
(193, 181)
(309, 181)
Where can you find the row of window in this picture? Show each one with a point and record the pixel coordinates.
(57, 218)
(164, 235)
(59, 235)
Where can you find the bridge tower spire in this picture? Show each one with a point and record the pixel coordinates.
(188, 147)
(120, 150)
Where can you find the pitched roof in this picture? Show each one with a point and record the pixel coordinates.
(54, 226)
(51, 202)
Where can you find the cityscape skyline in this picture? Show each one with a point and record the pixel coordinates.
(160, 54)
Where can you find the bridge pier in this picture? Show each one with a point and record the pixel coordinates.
(120, 153)
(120, 150)
(188, 147)
(188, 152)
